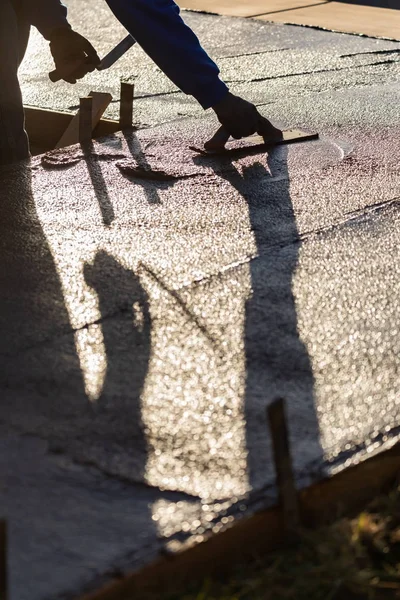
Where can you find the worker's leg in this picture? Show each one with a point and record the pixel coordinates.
(13, 36)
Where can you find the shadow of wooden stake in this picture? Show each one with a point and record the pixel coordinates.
(126, 105)
(85, 120)
(276, 415)
(3, 561)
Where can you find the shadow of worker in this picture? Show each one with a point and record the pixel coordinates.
(43, 395)
(32, 311)
(41, 383)
(126, 329)
(277, 360)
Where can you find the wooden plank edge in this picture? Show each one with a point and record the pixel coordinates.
(321, 503)
(45, 126)
(77, 132)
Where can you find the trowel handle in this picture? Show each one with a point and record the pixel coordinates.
(218, 140)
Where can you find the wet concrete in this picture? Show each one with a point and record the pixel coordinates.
(244, 49)
(148, 323)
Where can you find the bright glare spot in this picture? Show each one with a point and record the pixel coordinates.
(92, 357)
(138, 316)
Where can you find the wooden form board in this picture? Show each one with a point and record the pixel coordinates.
(347, 18)
(71, 134)
(261, 533)
(45, 127)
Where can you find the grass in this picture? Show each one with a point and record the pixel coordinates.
(352, 559)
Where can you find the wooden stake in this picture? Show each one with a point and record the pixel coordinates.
(72, 134)
(126, 105)
(276, 415)
(3, 561)
(85, 120)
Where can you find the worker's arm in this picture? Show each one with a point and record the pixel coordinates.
(158, 28)
(45, 15)
(73, 55)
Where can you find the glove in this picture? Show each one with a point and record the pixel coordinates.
(241, 118)
(74, 56)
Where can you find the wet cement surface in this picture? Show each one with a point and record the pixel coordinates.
(246, 51)
(147, 324)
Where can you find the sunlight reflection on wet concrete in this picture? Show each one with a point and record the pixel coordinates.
(191, 318)
(149, 347)
(146, 325)
(194, 379)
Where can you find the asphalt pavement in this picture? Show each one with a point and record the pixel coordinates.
(148, 324)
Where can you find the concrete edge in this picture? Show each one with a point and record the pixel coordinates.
(259, 534)
(264, 19)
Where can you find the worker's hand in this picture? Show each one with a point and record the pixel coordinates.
(74, 56)
(241, 118)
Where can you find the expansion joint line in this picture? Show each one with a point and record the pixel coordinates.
(298, 239)
(314, 72)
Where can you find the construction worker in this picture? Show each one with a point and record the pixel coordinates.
(66, 45)
(157, 27)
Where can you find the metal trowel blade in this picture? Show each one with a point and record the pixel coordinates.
(256, 143)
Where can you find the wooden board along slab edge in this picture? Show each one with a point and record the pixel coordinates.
(263, 532)
(70, 136)
(45, 127)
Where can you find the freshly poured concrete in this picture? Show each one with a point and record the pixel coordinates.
(271, 52)
(146, 325)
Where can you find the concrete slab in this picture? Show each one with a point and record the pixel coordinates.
(265, 93)
(149, 346)
(274, 49)
(146, 325)
(267, 67)
(350, 18)
(48, 552)
(253, 8)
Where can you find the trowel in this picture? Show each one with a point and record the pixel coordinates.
(107, 62)
(220, 144)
